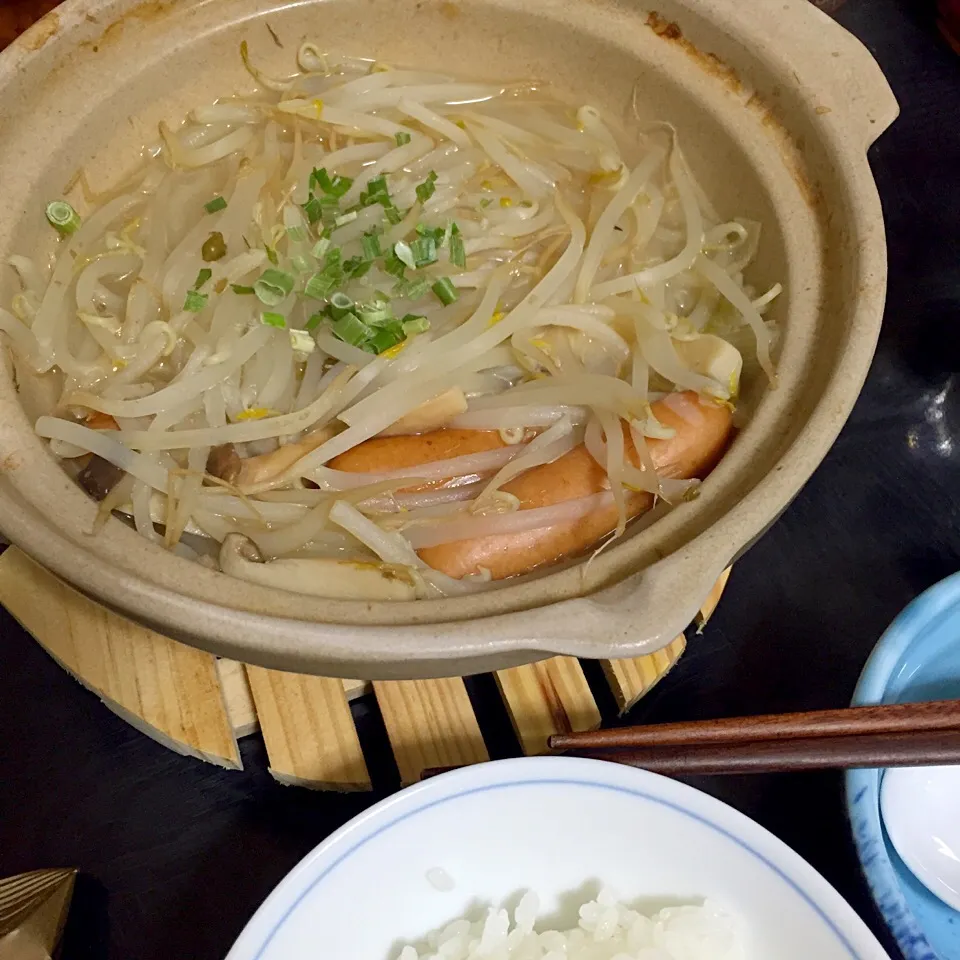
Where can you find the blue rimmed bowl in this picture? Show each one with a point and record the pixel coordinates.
(562, 827)
(918, 658)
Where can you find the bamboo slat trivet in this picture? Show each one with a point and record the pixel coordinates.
(199, 705)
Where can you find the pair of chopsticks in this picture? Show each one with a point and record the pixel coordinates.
(894, 735)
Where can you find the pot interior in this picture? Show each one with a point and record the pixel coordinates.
(92, 94)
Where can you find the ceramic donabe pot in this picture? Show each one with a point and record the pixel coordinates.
(775, 106)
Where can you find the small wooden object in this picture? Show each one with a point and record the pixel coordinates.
(199, 705)
(33, 912)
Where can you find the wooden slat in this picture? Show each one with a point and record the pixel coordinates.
(631, 679)
(430, 724)
(167, 690)
(545, 698)
(308, 730)
(241, 709)
(713, 601)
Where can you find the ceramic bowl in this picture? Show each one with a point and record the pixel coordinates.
(918, 658)
(775, 106)
(563, 828)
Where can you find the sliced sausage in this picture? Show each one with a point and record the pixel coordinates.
(702, 428)
(383, 454)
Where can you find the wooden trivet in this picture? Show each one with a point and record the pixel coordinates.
(198, 704)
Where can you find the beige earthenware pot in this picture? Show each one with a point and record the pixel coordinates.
(775, 105)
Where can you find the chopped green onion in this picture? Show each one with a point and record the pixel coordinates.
(437, 234)
(195, 302)
(393, 265)
(345, 219)
(425, 190)
(273, 319)
(384, 338)
(393, 215)
(340, 305)
(424, 251)
(370, 242)
(302, 342)
(300, 263)
(335, 187)
(329, 211)
(374, 312)
(404, 254)
(458, 253)
(315, 321)
(217, 203)
(445, 290)
(356, 267)
(412, 323)
(242, 290)
(376, 192)
(271, 255)
(412, 289)
(402, 138)
(61, 215)
(321, 247)
(296, 230)
(273, 287)
(320, 285)
(485, 202)
(202, 277)
(214, 248)
(313, 209)
(351, 329)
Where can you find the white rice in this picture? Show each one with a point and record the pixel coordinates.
(608, 930)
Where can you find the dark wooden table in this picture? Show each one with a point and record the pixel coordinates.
(175, 855)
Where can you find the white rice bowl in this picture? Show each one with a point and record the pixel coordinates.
(606, 861)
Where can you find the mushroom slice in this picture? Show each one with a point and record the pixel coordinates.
(224, 462)
(431, 414)
(250, 471)
(317, 576)
(99, 477)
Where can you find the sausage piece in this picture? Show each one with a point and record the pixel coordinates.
(382, 454)
(702, 428)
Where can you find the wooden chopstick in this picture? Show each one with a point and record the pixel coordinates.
(889, 735)
(776, 756)
(783, 756)
(886, 719)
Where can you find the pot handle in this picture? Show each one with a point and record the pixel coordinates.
(638, 615)
(833, 66)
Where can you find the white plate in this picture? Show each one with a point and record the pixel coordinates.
(559, 826)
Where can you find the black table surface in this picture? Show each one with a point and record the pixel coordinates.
(176, 855)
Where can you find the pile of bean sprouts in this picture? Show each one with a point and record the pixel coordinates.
(293, 272)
